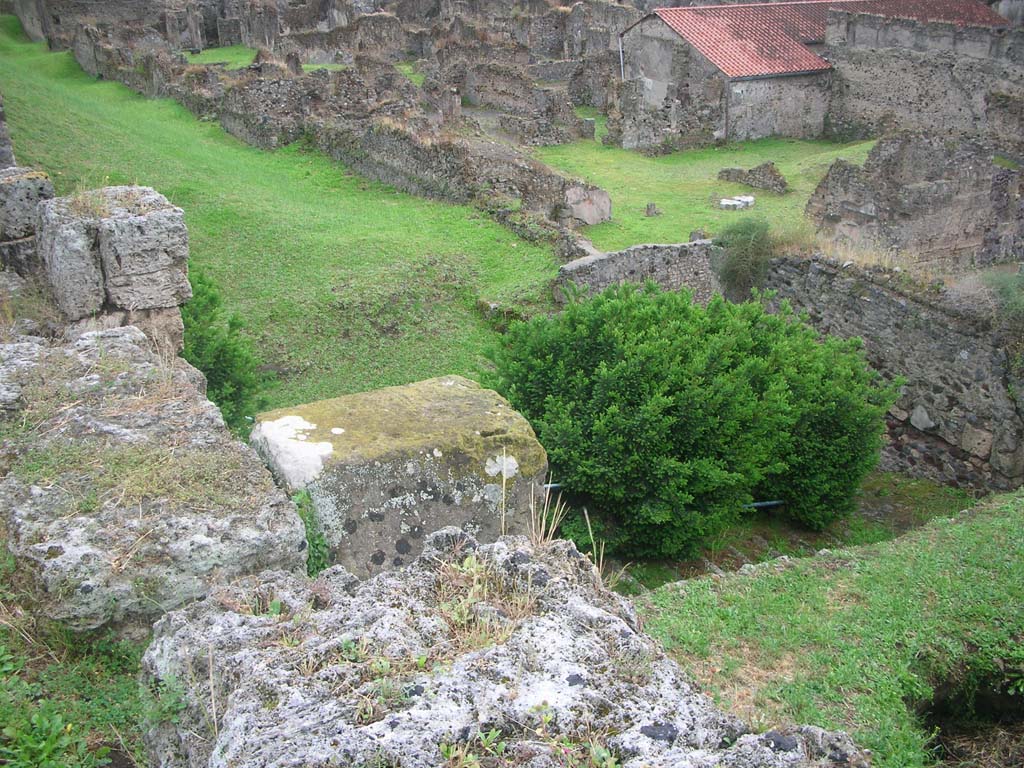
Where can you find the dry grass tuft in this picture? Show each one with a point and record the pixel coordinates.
(546, 517)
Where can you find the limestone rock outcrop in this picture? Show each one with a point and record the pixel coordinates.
(124, 494)
(509, 637)
(385, 468)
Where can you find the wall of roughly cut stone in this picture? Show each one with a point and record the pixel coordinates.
(940, 203)
(671, 97)
(957, 420)
(357, 116)
(682, 265)
(954, 81)
(778, 106)
(6, 148)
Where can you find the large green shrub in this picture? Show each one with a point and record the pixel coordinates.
(214, 345)
(667, 418)
(742, 263)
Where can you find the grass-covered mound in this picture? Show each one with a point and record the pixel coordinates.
(344, 285)
(862, 639)
(686, 189)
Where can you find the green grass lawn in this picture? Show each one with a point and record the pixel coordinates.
(234, 56)
(343, 284)
(685, 185)
(407, 68)
(858, 640)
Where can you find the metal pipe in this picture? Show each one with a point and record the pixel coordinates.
(622, 60)
(765, 504)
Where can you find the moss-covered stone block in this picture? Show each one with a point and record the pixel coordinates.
(385, 468)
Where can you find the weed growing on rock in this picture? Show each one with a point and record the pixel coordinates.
(480, 608)
(483, 748)
(318, 553)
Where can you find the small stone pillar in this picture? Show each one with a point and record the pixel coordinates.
(21, 191)
(117, 256)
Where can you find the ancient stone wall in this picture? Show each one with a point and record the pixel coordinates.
(117, 256)
(672, 96)
(764, 176)
(957, 420)
(939, 202)
(590, 84)
(359, 116)
(149, 500)
(777, 106)
(21, 192)
(683, 265)
(376, 34)
(949, 80)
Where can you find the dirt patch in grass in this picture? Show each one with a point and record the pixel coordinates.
(746, 689)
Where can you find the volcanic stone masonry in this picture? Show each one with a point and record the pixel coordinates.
(683, 265)
(939, 202)
(959, 418)
(386, 467)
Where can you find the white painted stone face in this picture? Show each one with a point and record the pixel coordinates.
(507, 466)
(287, 449)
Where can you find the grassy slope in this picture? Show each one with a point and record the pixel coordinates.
(345, 285)
(849, 642)
(685, 187)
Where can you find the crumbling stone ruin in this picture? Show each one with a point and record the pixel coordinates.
(384, 468)
(683, 265)
(764, 176)
(125, 495)
(894, 74)
(117, 256)
(959, 419)
(468, 638)
(368, 116)
(939, 202)
(846, 69)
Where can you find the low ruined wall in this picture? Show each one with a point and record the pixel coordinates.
(938, 202)
(683, 265)
(956, 420)
(894, 73)
(357, 116)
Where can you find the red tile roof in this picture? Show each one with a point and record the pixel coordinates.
(768, 38)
